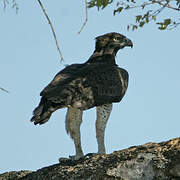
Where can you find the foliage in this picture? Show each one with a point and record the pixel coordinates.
(150, 9)
(13, 3)
(99, 3)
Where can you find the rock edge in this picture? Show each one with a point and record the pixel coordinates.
(151, 161)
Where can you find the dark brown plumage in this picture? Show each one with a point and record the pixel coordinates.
(97, 82)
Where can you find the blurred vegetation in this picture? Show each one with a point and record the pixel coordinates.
(149, 11)
(12, 3)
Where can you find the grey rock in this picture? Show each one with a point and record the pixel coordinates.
(151, 161)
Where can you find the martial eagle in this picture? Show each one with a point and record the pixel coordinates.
(98, 82)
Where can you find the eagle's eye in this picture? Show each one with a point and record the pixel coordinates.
(115, 39)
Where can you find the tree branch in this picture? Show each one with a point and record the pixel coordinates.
(160, 2)
(86, 7)
(4, 4)
(54, 34)
(167, 5)
(4, 89)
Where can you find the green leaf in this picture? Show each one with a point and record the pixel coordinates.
(141, 23)
(127, 7)
(167, 22)
(138, 18)
(99, 3)
(105, 3)
(147, 19)
(118, 10)
(164, 25)
(154, 18)
(134, 27)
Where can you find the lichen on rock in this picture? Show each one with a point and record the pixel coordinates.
(151, 161)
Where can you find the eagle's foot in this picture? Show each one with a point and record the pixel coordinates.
(63, 159)
(71, 158)
(76, 157)
(67, 161)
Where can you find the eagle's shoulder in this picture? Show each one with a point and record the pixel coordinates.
(61, 76)
(108, 82)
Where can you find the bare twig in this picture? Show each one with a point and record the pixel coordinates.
(4, 89)
(174, 24)
(86, 3)
(4, 4)
(54, 34)
(167, 5)
(139, 6)
(158, 11)
(163, 3)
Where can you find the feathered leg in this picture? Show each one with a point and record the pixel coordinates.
(103, 113)
(73, 122)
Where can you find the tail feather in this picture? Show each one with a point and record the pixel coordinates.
(42, 113)
(41, 118)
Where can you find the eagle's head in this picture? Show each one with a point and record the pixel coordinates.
(110, 43)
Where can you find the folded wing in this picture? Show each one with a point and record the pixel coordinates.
(82, 86)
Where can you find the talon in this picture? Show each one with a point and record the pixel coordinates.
(63, 159)
(74, 158)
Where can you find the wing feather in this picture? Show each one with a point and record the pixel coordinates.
(88, 85)
(60, 77)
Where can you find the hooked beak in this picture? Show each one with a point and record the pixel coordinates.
(129, 42)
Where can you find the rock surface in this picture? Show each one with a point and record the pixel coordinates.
(151, 161)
